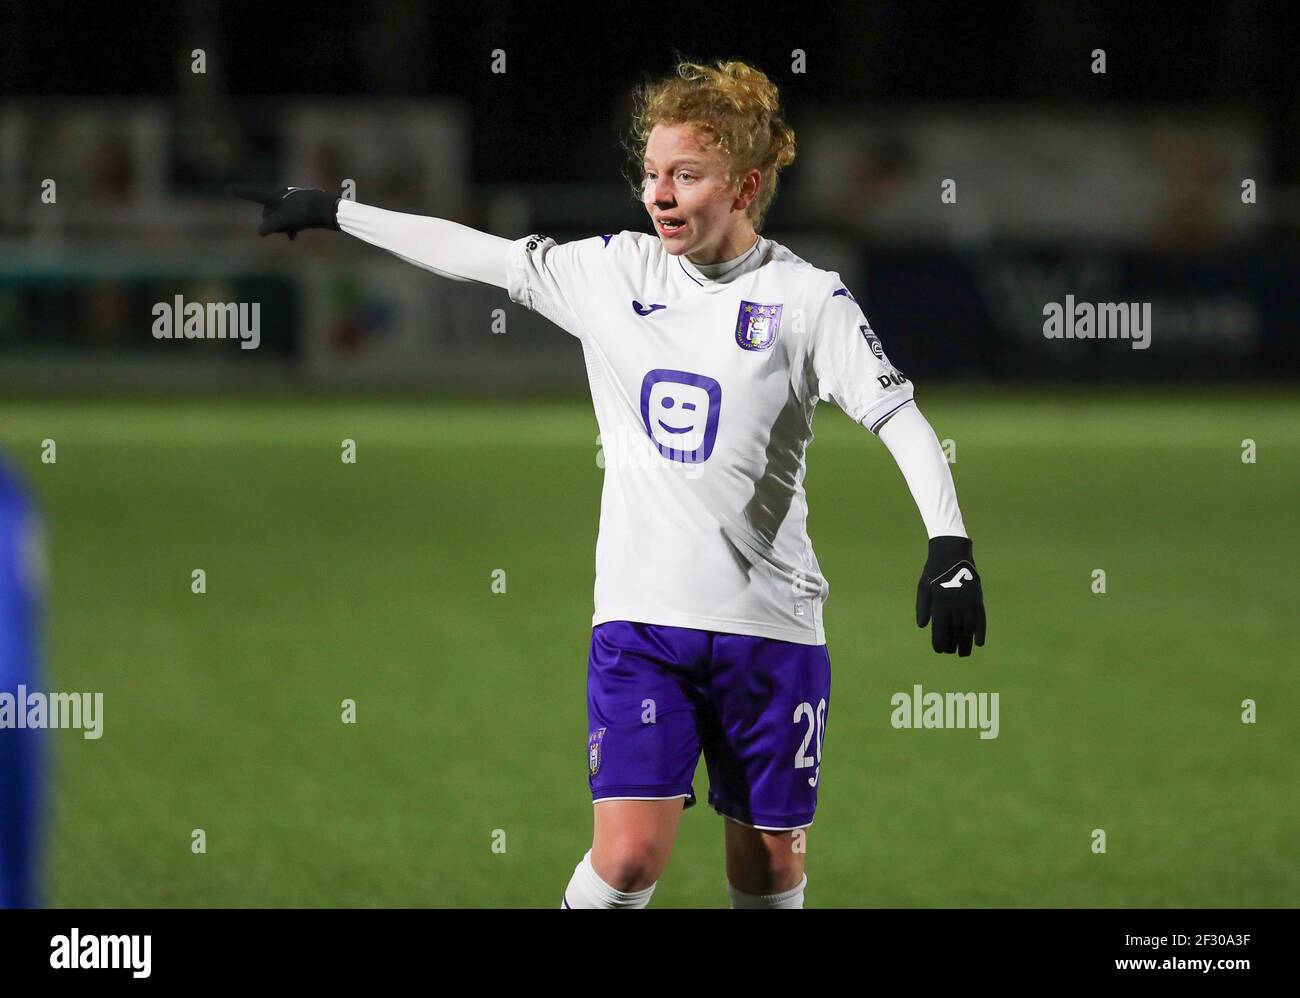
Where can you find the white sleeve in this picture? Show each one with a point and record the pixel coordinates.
(849, 364)
(559, 280)
(912, 441)
(438, 244)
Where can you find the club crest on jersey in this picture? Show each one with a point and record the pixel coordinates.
(757, 325)
(593, 750)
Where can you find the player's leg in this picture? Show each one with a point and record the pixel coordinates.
(764, 869)
(629, 852)
(770, 699)
(633, 839)
(20, 755)
(21, 749)
(644, 688)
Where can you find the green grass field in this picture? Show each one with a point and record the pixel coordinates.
(372, 581)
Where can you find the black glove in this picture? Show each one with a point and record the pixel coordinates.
(950, 593)
(291, 209)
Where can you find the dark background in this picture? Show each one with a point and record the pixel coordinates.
(540, 149)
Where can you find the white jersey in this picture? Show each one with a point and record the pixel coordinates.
(704, 389)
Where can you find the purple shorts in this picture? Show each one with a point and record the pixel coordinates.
(657, 695)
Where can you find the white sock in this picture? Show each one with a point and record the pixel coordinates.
(793, 898)
(588, 890)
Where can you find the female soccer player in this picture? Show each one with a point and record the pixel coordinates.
(707, 349)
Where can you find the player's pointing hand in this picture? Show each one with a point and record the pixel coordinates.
(950, 593)
(290, 209)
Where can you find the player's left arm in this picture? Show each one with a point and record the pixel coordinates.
(847, 363)
(949, 595)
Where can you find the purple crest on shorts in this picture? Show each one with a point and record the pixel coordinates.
(757, 325)
(593, 750)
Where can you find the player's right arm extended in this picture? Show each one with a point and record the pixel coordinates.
(440, 245)
(437, 244)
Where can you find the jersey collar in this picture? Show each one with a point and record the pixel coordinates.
(714, 276)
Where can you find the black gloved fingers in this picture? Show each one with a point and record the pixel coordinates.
(922, 604)
(269, 196)
(965, 633)
(939, 631)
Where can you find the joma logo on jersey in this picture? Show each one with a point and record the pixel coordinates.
(757, 325)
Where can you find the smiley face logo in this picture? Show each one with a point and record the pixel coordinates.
(680, 413)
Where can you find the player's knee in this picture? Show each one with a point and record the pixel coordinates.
(774, 873)
(631, 864)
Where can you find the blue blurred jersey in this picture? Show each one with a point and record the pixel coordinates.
(21, 564)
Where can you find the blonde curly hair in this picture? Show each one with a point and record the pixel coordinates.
(737, 109)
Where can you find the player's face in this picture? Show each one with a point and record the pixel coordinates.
(686, 181)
